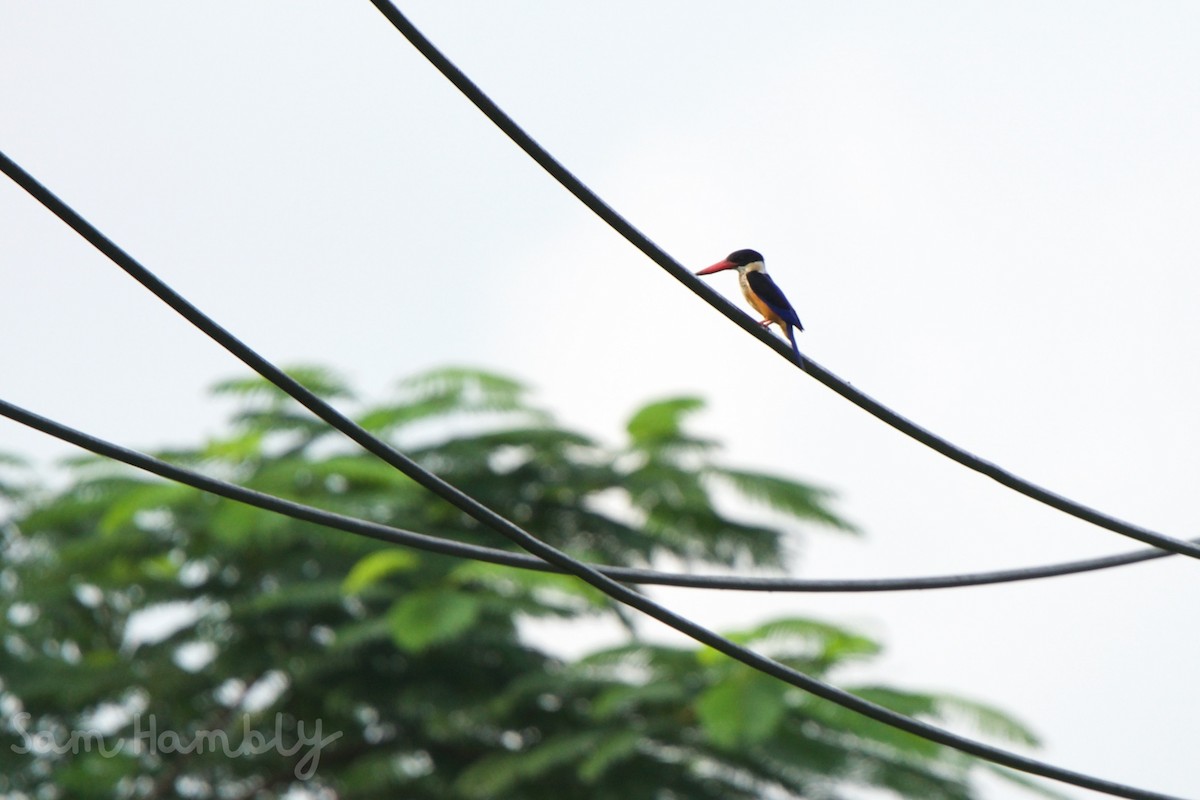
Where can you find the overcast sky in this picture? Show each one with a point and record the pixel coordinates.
(985, 214)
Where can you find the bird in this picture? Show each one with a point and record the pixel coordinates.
(762, 293)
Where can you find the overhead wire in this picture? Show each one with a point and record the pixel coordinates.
(436, 544)
(659, 256)
(514, 533)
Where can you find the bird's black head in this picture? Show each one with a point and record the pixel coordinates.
(743, 257)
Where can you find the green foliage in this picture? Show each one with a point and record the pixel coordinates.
(422, 619)
(377, 566)
(659, 425)
(129, 603)
(11, 488)
(742, 710)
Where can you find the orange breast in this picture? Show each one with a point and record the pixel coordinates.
(758, 304)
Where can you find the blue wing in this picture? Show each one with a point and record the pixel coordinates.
(761, 284)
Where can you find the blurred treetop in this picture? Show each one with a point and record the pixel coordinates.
(145, 623)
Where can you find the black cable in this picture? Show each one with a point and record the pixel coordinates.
(659, 256)
(434, 544)
(532, 544)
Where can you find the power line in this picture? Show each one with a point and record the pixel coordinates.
(535, 546)
(449, 547)
(659, 256)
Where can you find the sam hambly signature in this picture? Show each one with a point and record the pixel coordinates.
(146, 737)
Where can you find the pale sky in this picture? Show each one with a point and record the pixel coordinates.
(984, 213)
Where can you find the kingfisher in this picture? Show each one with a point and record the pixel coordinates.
(762, 293)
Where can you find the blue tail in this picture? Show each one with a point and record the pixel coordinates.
(799, 358)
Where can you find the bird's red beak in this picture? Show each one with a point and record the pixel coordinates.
(717, 267)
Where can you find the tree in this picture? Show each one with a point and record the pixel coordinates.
(161, 642)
